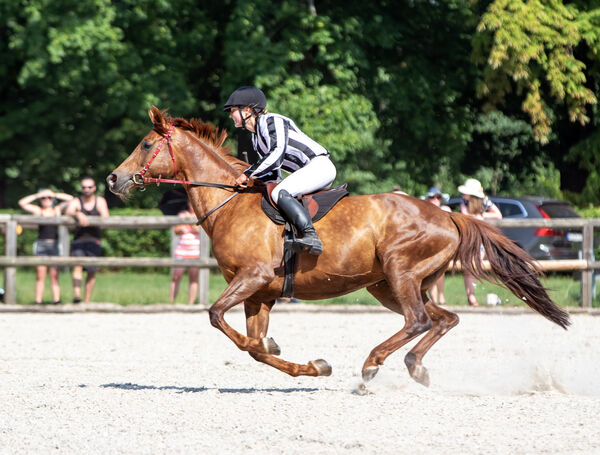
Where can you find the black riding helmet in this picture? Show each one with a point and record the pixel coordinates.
(247, 96)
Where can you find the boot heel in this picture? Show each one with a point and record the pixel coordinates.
(316, 251)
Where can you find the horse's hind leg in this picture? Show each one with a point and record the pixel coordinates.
(443, 321)
(405, 299)
(257, 324)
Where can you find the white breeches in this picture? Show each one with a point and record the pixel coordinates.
(319, 173)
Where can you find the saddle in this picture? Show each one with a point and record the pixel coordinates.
(317, 204)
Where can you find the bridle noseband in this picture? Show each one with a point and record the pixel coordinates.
(139, 179)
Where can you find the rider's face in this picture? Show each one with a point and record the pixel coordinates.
(235, 114)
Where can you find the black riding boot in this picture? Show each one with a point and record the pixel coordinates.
(297, 215)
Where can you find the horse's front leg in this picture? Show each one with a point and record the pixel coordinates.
(243, 285)
(257, 324)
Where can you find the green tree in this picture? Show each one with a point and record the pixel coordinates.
(306, 63)
(389, 87)
(531, 47)
(78, 78)
(419, 78)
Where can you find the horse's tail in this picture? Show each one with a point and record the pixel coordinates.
(510, 264)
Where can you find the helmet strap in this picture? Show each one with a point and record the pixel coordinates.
(244, 119)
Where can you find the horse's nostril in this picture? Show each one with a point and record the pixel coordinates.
(111, 179)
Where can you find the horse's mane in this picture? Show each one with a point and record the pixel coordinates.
(209, 133)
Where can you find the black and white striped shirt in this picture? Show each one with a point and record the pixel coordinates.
(280, 145)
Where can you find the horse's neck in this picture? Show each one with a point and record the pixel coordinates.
(202, 163)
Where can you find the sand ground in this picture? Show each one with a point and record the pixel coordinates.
(115, 383)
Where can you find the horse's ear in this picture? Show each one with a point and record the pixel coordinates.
(155, 115)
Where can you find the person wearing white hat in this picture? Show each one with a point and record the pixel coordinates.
(475, 203)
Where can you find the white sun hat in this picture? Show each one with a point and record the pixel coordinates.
(472, 187)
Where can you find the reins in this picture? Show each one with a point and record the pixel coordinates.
(139, 179)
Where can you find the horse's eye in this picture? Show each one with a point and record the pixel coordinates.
(146, 145)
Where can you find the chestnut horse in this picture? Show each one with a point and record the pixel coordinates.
(394, 245)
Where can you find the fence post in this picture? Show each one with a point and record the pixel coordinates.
(10, 273)
(64, 245)
(174, 240)
(173, 247)
(587, 275)
(204, 274)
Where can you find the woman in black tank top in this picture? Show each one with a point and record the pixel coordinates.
(47, 241)
(47, 232)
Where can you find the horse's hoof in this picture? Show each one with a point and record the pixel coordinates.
(369, 373)
(416, 369)
(322, 366)
(421, 375)
(270, 346)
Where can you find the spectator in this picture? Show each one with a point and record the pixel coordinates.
(436, 292)
(47, 240)
(396, 189)
(188, 247)
(475, 203)
(86, 238)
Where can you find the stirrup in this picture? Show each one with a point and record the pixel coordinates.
(311, 244)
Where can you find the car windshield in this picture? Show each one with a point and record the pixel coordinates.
(555, 210)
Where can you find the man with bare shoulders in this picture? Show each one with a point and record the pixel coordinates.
(86, 238)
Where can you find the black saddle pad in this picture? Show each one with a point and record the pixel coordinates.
(325, 199)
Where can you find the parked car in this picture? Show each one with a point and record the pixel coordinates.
(542, 243)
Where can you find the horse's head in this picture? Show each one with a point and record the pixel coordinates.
(177, 148)
(153, 156)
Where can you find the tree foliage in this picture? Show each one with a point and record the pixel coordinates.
(392, 89)
(534, 50)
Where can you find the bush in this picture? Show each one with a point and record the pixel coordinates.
(589, 212)
(136, 242)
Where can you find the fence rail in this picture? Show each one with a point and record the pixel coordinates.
(10, 261)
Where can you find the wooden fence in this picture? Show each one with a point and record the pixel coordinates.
(10, 261)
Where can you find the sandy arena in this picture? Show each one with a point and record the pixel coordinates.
(115, 383)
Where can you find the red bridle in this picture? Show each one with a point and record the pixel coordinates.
(139, 178)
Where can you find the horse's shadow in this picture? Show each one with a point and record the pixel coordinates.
(178, 389)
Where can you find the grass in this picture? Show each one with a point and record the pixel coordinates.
(564, 290)
(123, 288)
(147, 288)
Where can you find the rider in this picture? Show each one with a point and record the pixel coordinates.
(281, 145)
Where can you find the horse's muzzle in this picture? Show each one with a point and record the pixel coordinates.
(119, 183)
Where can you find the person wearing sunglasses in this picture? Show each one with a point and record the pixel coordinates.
(436, 197)
(51, 204)
(86, 238)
